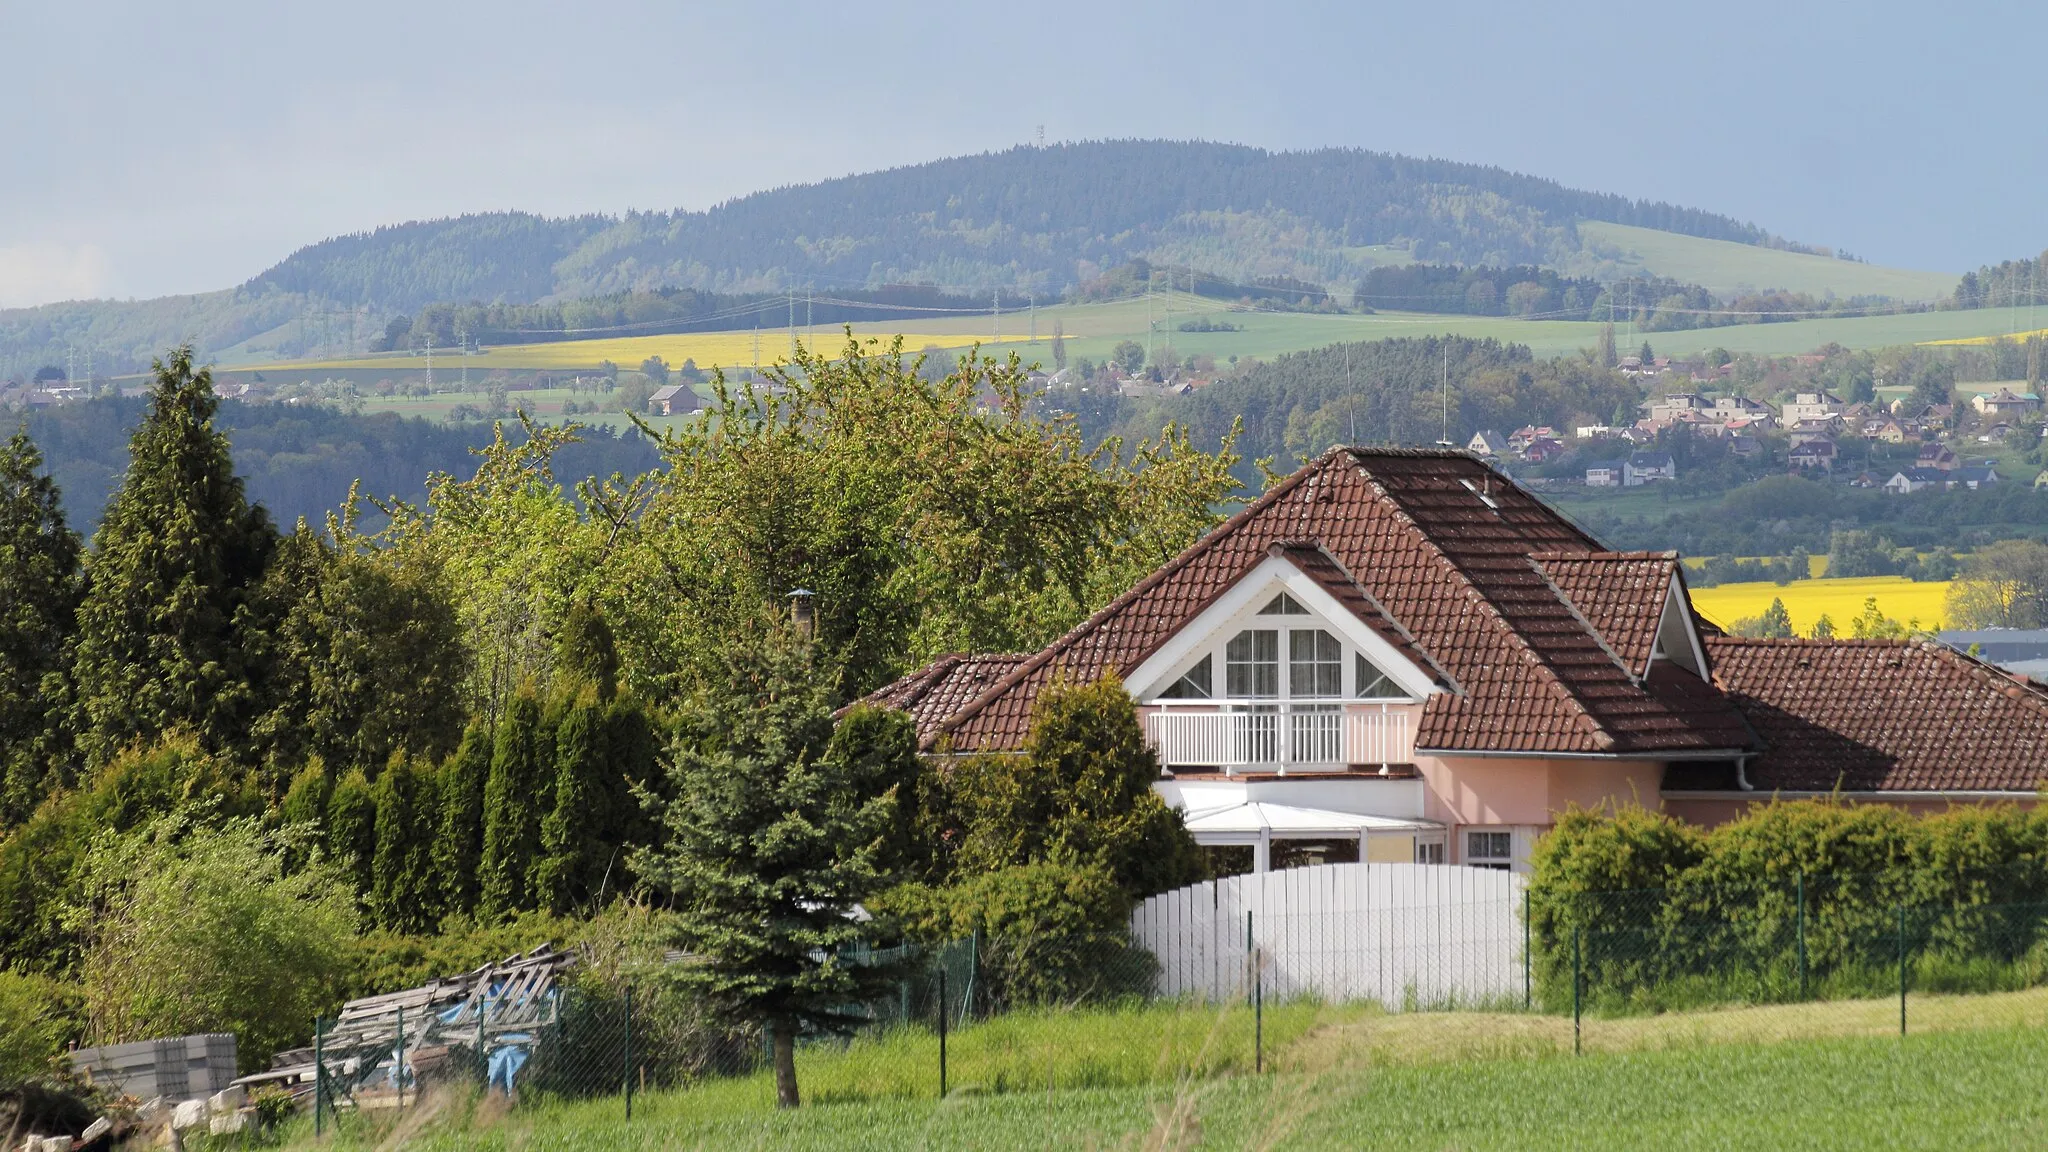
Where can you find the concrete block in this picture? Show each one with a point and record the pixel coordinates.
(230, 1099)
(95, 1130)
(56, 1144)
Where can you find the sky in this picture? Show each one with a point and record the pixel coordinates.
(150, 148)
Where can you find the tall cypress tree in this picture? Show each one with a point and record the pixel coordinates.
(171, 567)
(459, 843)
(512, 806)
(38, 608)
(403, 895)
(352, 829)
(578, 837)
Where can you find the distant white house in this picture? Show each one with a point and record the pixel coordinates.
(1607, 474)
(1487, 443)
(1591, 431)
(1914, 479)
(1813, 406)
(1644, 467)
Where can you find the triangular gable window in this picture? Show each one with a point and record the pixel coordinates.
(1283, 605)
(1373, 684)
(1193, 686)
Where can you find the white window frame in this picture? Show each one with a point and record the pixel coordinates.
(1502, 862)
(1238, 609)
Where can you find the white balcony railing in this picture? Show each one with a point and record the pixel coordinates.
(1279, 737)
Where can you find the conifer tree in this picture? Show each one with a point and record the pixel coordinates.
(578, 835)
(172, 565)
(305, 802)
(459, 842)
(403, 895)
(352, 828)
(38, 607)
(770, 841)
(512, 808)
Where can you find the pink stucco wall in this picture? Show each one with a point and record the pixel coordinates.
(1530, 790)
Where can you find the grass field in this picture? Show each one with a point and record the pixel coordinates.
(1093, 329)
(1813, 1075)
(1723, 267)
(1841, 600)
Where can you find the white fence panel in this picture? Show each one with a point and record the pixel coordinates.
(1405, 935)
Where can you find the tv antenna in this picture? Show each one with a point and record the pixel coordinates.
(1041, 135)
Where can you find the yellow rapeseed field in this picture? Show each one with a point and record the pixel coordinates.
(708, 349)
(2019, 336)
(1841, 600)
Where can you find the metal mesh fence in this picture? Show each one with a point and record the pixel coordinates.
(1807, 955)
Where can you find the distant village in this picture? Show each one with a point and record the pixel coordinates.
(1809, 433)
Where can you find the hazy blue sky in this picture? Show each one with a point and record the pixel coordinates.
(155, 147)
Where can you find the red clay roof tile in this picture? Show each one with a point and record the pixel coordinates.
(1883, 715)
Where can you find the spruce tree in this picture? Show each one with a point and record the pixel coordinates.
(459, 842)
(512, 806)
(403, 896)
(172, 565)
(39, 590)
(770, 842)
(578, 835)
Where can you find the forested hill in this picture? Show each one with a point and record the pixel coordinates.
(1024, 218)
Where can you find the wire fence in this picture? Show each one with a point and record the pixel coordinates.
(1777, 958)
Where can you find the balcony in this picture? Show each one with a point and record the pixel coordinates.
(1279, 738)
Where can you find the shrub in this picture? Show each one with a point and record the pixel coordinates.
(1081, 794)
(1047, 933)
(37, 1017)
(201, 929)
(1791, 899)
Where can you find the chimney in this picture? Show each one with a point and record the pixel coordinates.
(802, 613)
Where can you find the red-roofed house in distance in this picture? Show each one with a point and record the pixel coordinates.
(1401, 655)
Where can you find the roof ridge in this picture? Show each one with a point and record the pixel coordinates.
(1640, 554)
(1601, 736)
(1188, 555)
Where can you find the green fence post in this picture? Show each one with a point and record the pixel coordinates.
(319, 1075)
(1801, 882)
(1902, 969)
(1248, 958)
(1578, 978)
(629, 1051)
(1258, 1018)
(942, 1031)
(483, 1056)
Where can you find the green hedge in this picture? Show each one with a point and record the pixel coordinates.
(1796, 899)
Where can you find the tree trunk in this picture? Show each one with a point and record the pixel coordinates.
(783, 1033)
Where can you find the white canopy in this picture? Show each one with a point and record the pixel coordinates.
(1254, 818)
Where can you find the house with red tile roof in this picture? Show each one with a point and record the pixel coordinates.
(1402, 655)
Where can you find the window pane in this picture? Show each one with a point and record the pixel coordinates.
(1315, 664)
(1251, 664)
(1486, 847)
(1283, 605)
(1373, 684)
(1193, 686)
